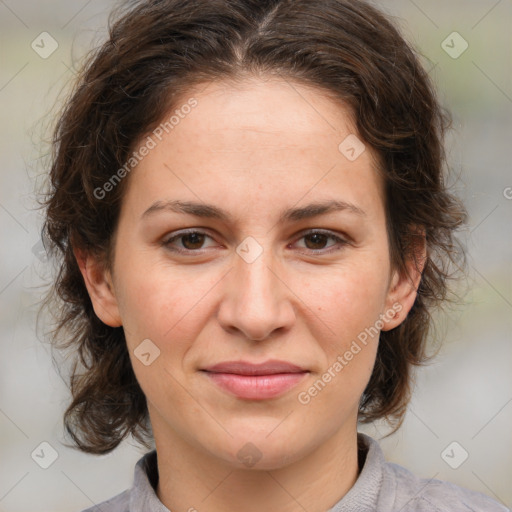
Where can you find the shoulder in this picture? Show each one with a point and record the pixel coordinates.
(141, 495)
(119, 503)
(416, 494)
(389, 487)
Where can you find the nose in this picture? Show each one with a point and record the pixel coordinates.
(257, 302)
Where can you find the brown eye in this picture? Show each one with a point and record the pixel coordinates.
(318, 240)
(184, 242)
(193, 241)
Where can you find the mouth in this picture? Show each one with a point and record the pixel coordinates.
(251, 381)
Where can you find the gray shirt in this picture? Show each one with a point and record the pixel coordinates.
(381, 487)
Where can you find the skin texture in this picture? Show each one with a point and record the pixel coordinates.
(253, 148)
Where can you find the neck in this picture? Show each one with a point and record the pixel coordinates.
(191, 480)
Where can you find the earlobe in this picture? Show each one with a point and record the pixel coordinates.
(99, 285)
(403, 289)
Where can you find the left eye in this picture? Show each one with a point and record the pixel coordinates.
(193, 241)
(317, 238)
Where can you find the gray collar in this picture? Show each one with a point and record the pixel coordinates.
(362, 497)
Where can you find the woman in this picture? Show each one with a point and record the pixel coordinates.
(249, 207)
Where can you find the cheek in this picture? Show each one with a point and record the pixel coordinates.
(352, 300)
(162, 303)
(351, 305)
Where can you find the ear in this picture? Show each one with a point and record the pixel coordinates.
(403, 287)
(100, 287)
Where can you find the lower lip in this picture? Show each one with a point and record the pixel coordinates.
(256, 387)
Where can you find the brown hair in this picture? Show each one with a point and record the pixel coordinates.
(159, 49)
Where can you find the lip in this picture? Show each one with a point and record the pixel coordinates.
(252, 381)
(270, 367)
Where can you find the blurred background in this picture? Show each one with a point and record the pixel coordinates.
(459, 424)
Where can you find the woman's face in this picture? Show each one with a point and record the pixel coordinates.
(288, 260)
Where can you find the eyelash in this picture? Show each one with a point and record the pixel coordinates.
(340, 241)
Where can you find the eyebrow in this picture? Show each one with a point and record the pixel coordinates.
(204, 210)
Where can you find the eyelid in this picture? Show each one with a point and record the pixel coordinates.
(328, 233)
(176, 235)
(339, 239)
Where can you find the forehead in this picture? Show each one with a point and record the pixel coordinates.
(263, 139)
(269, 112)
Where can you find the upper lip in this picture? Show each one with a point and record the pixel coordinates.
(269, 367)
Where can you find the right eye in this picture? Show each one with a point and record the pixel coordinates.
(191, 241)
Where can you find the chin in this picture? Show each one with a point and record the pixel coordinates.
(261, 451)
